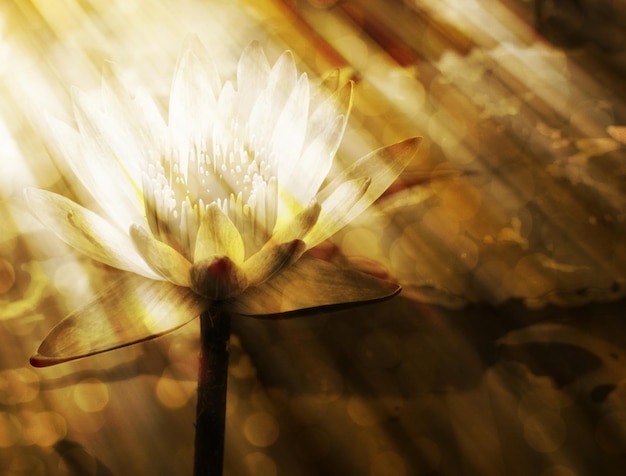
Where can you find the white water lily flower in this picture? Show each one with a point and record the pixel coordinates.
(216, 205)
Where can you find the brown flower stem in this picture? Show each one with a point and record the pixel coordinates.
(212, 380)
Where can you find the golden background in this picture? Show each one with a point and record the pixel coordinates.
(506, 352)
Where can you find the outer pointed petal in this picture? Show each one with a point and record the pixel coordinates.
(131, 310)
(218, 236)
(337, 209)
(311, 285)
(271, 259)
(86, 232)
(382, 166)
(162, 258)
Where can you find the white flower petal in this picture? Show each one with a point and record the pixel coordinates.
(65, 144)
(193, 43)
(137, 114)
(310, 285)
(315, 162)
(107, 132)
(226, 102)
(252, 73)
(229, 159)
(382, 167)
(339, 104)
(97, 166)
(326, 127)
(270, 102)
(291, 128)
(87, 232)
(162, 258)
(218, 236)
(283, 76)
(131, 310)
(120, 125)
(282, 80)
(223, 135)
(192, 102)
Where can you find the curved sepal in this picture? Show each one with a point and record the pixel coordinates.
(310, 285)
(131, 310)
(271, 260)
(162, 258)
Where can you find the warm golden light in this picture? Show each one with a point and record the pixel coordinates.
(504, 352)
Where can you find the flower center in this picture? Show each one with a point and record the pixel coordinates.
(217, 278)
(239, 176)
